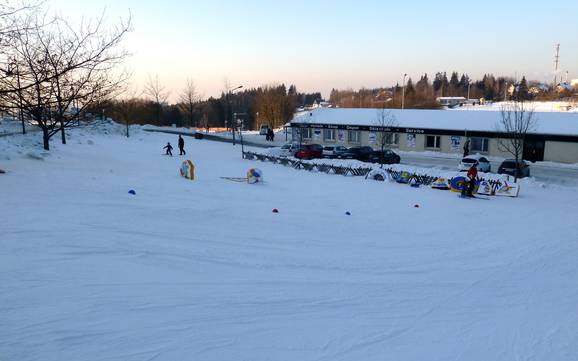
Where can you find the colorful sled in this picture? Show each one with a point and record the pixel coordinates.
(485, 188)
(254, 176)
(378, 175)
(508, 190)
(404, 177)
(440, 183)
(459, 182)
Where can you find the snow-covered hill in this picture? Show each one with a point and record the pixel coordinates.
(203, 270)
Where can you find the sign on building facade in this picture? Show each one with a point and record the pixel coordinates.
(372, 137)
(455, 142)
(411, 140)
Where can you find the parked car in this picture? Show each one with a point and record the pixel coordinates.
(263, 129)
(309, 151)
(359, 153)
(483, 163)
(333, 151)
(509, 167)
(289, 150)
(388, 157)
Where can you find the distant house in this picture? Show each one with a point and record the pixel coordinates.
(321, 104)
(564, 87)
(538, 89)
(451, 101)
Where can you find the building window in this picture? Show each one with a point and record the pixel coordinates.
(480, 144)
(353, 136)
(306, 132)
(433, 141)
(329, 135)
(391, 139)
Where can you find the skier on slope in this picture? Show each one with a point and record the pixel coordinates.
(181, 146)
(471, 177)
(169, 148)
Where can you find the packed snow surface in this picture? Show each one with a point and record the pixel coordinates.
(203, 270)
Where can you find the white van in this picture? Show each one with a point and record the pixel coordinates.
(263, 129)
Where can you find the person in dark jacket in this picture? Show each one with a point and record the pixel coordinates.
(169, 148)
(467, 148)
(181, 146)
(270, 135)
(468, 188)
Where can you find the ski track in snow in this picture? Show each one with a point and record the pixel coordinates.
(203, 270)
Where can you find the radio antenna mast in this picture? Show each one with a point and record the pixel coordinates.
(556, 62)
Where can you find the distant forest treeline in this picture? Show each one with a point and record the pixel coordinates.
(275, 104)
(423, 93)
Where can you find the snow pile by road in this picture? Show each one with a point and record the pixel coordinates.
(204, 270)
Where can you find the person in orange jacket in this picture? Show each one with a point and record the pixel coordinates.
(471, 177)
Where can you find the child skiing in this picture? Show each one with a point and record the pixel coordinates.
(181, 146)
(471, 177)
(169, 148)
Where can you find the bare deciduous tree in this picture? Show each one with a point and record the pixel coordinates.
(157, 93)
(384, 122)
(188, 101)
(516, 120)
(11, 15)
(61, 70)
(126, 104)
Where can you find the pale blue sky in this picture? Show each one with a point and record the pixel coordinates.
(319, 45)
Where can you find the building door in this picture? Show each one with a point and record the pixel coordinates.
(534, 150)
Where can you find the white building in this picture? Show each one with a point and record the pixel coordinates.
(554, 139)
(451, 101)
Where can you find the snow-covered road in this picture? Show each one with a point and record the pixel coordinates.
(204, 270)
(544, 172)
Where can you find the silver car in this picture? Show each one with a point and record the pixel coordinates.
(289, 150)
(333, 151)
(483, 163)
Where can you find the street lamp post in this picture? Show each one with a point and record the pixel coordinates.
(241, 135)
(403, 92)
(229, 120)
(240, 118)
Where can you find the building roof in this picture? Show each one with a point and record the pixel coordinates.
(556, 123)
